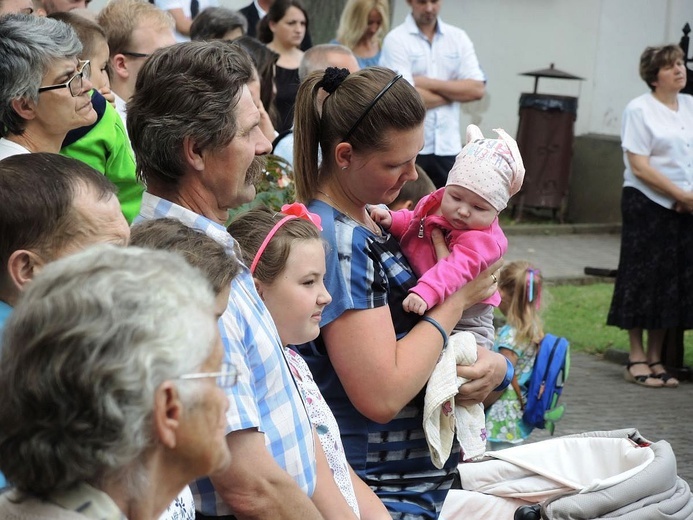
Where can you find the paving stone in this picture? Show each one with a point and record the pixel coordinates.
(596, 395)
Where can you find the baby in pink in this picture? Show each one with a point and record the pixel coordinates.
(486, 173)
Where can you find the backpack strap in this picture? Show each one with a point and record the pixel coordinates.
(516, 384)
(518, 392)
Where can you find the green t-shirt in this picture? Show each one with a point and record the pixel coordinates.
(105, 146)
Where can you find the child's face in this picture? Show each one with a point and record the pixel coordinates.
(99, 62)
(297, 296)
(464, 209)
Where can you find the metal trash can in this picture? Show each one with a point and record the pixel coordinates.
(545, 140)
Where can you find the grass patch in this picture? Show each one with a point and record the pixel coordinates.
(578, 312)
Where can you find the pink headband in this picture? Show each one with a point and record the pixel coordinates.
(292, 211)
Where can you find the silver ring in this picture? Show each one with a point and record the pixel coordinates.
(495, 279)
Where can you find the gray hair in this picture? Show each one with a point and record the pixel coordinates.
(318, 58)
(187, 90)
(214, 22)
(92, 338)
(28, 46)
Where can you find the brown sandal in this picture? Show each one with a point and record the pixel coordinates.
(668, 380)
(650, 381)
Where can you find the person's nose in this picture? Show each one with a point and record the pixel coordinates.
(411, 174)
(264, 145)
(324, 298)
(86, 85)
(463, 210)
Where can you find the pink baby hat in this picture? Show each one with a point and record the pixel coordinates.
(491, 168)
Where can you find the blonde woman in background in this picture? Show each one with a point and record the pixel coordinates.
(362, 27)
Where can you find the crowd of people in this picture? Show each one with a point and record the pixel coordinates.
(170, 362)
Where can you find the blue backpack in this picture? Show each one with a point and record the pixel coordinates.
(550, 371)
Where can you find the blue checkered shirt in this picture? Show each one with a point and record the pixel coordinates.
(265, 396)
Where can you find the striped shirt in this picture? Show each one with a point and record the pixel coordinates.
(265, 396)
(366, 271)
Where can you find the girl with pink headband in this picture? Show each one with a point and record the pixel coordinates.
(286, 255)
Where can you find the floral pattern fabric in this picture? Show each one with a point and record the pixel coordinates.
(182, 508)
(504, 422)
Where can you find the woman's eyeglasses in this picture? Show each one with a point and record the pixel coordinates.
(135, 54)
(76, 83)
(225, 378)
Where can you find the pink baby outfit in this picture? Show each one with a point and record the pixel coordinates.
(493, 169)
(471, 251)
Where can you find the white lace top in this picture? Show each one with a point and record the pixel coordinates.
(326, 425)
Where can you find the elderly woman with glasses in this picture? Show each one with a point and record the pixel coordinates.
(44, 88)
(111, 377)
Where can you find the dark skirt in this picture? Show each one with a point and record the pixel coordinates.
(654, 285)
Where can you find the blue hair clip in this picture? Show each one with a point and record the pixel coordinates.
(531, 272)
(531, 286)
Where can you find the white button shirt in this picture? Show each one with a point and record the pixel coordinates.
(167, 5)
(651, 129)
(450, 56)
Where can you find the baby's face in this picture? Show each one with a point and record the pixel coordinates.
(464, 209)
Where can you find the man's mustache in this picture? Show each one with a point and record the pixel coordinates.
(256, 170)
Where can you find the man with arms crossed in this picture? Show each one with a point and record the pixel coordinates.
(439, 60)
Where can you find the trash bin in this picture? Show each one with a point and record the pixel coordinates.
(545, 140)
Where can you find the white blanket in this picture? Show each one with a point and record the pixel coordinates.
(442, 418)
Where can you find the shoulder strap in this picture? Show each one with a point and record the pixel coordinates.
(516, 384)
(281, 136)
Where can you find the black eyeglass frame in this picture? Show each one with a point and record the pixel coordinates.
(85, 70)
(135, 54)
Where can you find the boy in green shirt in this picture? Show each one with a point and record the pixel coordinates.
(104, 145)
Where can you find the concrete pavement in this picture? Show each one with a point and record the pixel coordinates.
(562, 252)
(596, 395)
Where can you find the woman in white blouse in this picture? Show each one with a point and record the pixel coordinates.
(654, 286)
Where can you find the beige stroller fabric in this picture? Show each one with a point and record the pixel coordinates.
(591, 475)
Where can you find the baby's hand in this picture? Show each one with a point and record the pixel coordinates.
(381, 216)
(414, 303)
(106, 93)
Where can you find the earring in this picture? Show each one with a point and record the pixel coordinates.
(344, 168)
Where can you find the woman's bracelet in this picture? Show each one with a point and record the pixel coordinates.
(509, 373)
(440, 329)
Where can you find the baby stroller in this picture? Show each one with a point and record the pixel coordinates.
(612, 474)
